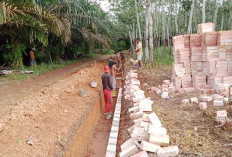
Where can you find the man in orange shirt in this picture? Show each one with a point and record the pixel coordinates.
(139, 52)
(32, 57)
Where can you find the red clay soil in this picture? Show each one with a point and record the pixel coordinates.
(12, 91)
(99, 141)
(46, 112)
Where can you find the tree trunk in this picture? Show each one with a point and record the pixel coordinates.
(176, 19)
(203, 11)
(222, 22)
(131, 41)
(138, 23)
(215, 14)
(150, 30)
(146, 37)
(190, 18)
(163, 26)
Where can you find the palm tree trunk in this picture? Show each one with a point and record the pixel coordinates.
(215, 14)
(203, 11)
(138, 23)
(190, 18)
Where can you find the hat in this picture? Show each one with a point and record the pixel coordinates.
(33, 48)
(107, 68)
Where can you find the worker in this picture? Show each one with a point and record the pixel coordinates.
(107, 91)
(111, 61)
(32, 58)
(118, 58)
(139, 52)
(113, 74)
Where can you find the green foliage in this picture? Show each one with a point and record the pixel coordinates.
(39, 70)
(162, 56)
(15, 55)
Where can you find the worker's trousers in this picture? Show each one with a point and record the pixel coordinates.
(108, 100)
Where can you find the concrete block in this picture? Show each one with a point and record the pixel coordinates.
(127, 144)
(206, 98)
(145, 125)
(156, 130)
(145, 105)
(146, 117)
(159, 92)
(134, 109)
(138, 130)
(129, 151)
(137, 120)
(136, 115)
(154, 120)
(164, 95)
(130, 129)
(140, 154)
(159, 139)
(150, 147)
(168, 151)
(140, 137)
(185, 101)
(218, 103)
(203, 106)
(194, 100)
(221, 116)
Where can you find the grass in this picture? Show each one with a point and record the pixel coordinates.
(163, 57)
(39, 70)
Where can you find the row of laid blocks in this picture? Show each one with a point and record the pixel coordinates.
(112, 143)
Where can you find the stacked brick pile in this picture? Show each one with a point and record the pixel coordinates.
(147, 133)
(203, 61)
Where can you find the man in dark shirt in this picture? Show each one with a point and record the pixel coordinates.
(107, 91)
(111, 61)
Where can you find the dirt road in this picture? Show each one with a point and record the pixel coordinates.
(12, 91)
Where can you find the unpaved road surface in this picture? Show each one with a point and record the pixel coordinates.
(12, 91)
(48, 109)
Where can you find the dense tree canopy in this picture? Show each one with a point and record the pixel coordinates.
(70, 28)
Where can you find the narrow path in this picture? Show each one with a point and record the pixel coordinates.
(12, 91)
(98, 144)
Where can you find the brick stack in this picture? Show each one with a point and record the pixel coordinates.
(203, 61)
(147, 134)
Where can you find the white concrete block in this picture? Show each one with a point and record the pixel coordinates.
(145, 125)
(146, 117)
(150, 147)
(162, 140)
(138, 130)
(218, 103)
(129, 151)
(185, 101)
(156, 130)
(164, 95)
(127, 144)
(137, 120)
(136, 115)
(134, 109)
(140, 154)
(145, 105)
(140, 137)
(194, 100)
(168, 151)
(154, 120)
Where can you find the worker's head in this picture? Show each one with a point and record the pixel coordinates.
(33, 49)
(106, 68)
(137, 40)
(111, 57)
